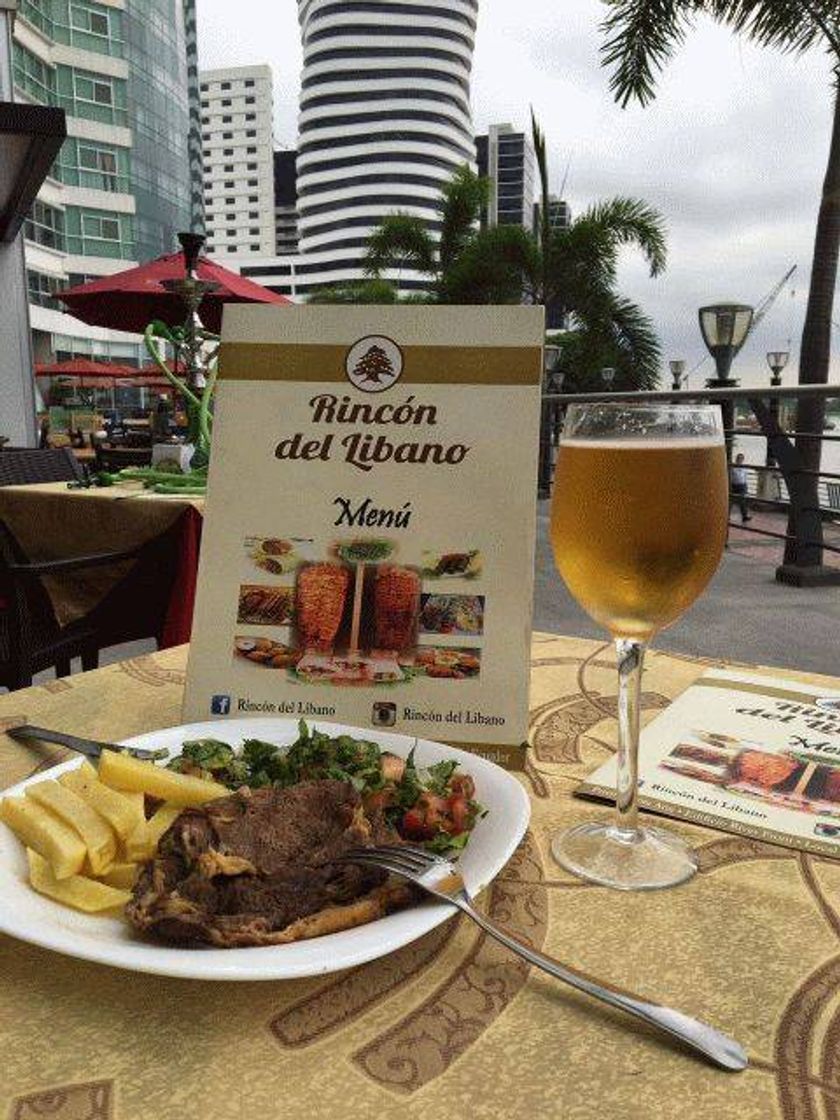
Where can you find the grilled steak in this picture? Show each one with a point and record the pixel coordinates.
(256, 868)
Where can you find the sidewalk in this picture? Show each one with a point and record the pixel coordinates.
(766, 550)
(744, 615)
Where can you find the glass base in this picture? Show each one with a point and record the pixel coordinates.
(645, 859)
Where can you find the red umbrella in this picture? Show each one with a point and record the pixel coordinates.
(151, 380)
(83, 368)
(130, 300)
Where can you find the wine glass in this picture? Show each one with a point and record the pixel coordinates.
(638, 525)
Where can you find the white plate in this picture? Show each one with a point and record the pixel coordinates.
(31, 917)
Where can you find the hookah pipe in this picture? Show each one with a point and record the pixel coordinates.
(189, 342)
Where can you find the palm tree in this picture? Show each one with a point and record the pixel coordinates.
(574, 267)
(641, 36)
(466, 264)
(578, 267)
(360, 291)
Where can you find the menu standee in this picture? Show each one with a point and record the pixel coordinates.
(369, 534)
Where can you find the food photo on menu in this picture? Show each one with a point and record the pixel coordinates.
(356, 616)
(747, 752)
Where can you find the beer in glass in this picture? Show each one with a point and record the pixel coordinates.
(638, 526)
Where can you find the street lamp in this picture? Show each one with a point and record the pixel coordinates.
(677, 372)
(30, 137)
(776, 360)
(725, 327)
(553, 378)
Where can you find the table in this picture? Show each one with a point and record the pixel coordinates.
(51, 522)
(453, 1026)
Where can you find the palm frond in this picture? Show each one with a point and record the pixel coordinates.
(400, 241)
(461, 203)
(361, 291)
(627, 343)
(641, 37)
(541, 154)
(636, 342)
(791, 26)
(496, 266)
(630, 221)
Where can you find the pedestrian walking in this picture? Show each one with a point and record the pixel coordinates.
(738, 487)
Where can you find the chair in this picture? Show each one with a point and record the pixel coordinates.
(136, 608)
(31, 638)
(19, 465)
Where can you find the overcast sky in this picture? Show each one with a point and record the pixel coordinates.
(732, 152)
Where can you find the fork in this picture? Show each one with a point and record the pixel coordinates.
(440, 878)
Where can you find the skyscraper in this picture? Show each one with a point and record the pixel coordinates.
(285, 202)
(506, 159)
(119, 191)
(236, 133)
(559, 217)
(384, 122)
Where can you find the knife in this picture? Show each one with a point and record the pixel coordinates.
(89, 747)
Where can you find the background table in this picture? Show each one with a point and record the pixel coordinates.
(50, 522)
(453, 1026)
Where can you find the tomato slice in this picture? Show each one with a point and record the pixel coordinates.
(414, 825)
(458, 810)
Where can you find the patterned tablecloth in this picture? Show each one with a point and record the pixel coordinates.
(453, 1026)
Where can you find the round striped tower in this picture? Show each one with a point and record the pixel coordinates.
(384, 121)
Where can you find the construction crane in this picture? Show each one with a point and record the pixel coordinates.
(768, 301)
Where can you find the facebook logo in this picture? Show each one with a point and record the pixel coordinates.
(220, 705)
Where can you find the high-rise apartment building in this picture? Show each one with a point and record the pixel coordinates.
(285, 203)
(506, 159)
(559, 217)
(236, 133)
(119, 191)
(384, 122)
(559, 213)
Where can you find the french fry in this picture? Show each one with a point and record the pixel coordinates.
(142, 844)
(75, 890)
(122, 811)
(121, 875)
(123, 772)
(50, 837)
(83, 771)
(97, 834)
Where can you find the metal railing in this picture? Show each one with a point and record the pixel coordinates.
(782, 484)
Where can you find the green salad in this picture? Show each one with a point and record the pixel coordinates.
(434, 805)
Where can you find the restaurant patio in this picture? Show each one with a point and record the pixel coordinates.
(418, 691)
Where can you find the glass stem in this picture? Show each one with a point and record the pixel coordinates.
(630, 655)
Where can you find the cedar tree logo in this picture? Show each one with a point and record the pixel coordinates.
(374, 363)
